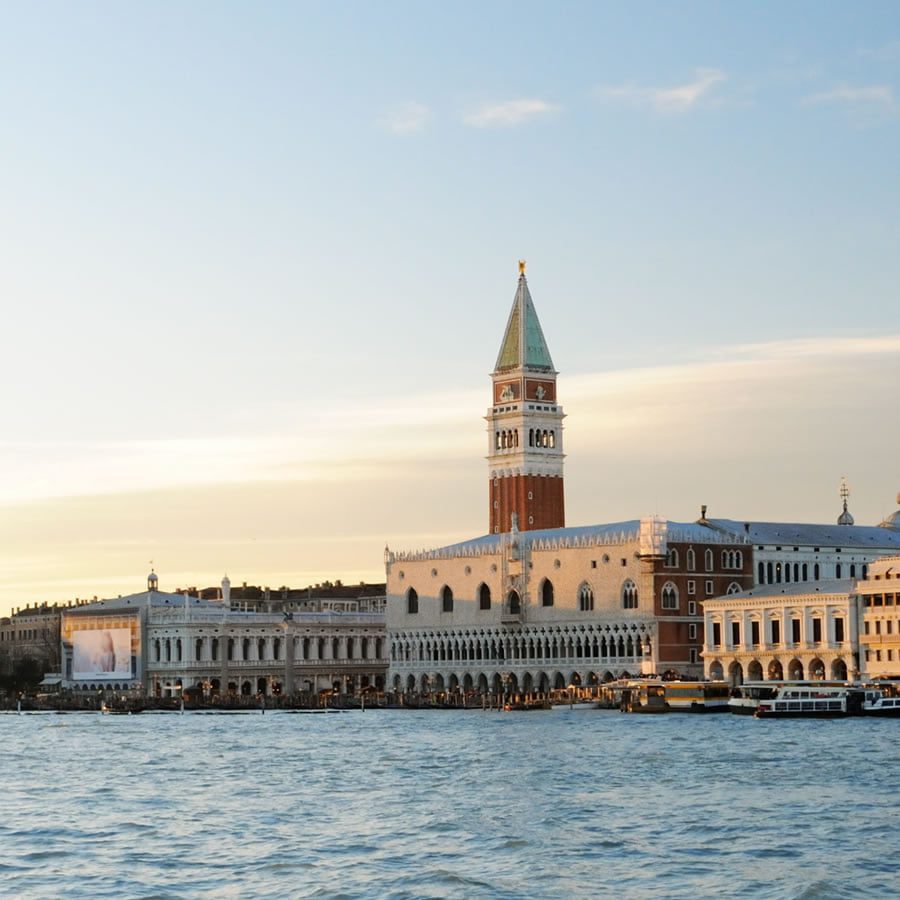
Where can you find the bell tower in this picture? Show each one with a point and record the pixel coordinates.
(525, 447)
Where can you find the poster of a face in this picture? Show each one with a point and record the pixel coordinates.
(104, 653)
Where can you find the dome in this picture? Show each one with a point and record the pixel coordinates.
(845, 518)
(892, 521)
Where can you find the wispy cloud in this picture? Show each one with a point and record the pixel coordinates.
(872, 95)
(509, 113)
(408, 118)
(885, 53)
(679, 98)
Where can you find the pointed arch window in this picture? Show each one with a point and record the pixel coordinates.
(629, 595)
(484, 597)
(669, 596)
(446, 599)
(547, 593)
(585, 598)
(672, 558)
(412, 602)
(708, 559)
(691, 559)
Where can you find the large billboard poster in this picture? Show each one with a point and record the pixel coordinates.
(101, 653)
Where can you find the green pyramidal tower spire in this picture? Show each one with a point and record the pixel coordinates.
(524, 346)
(525, 455)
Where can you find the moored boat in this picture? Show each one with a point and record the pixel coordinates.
(745, 697)
(697, 696)
(644, 697)
(877, 703)
(812, 702)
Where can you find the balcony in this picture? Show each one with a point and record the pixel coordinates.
(238, 664)
(880, 640)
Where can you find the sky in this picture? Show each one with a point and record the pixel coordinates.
(256, 261)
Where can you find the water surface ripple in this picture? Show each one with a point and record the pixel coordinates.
(447, 804)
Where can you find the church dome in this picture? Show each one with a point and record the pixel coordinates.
(845, 518)
(893, 520)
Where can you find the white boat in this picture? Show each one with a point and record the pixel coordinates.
(745, 697)
(876, 703)
(810, 701)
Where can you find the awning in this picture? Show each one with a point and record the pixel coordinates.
(51, 679)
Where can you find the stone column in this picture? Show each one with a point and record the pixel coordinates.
(288, 661)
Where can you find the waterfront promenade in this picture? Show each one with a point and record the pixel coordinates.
(412, 804)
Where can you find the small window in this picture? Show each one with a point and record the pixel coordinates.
(692, 632)
(593, 563)
(709, 587)
(692, 607)
(691, 586)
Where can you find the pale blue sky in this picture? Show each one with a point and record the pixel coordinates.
(293, 229)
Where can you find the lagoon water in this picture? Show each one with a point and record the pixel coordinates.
(569, 803)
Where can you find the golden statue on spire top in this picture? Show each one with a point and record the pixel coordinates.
(521, 266)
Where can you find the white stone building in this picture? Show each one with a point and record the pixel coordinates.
(786, 631)
(801, 553)
(878, 609)
(543, 610)
(161, 644)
